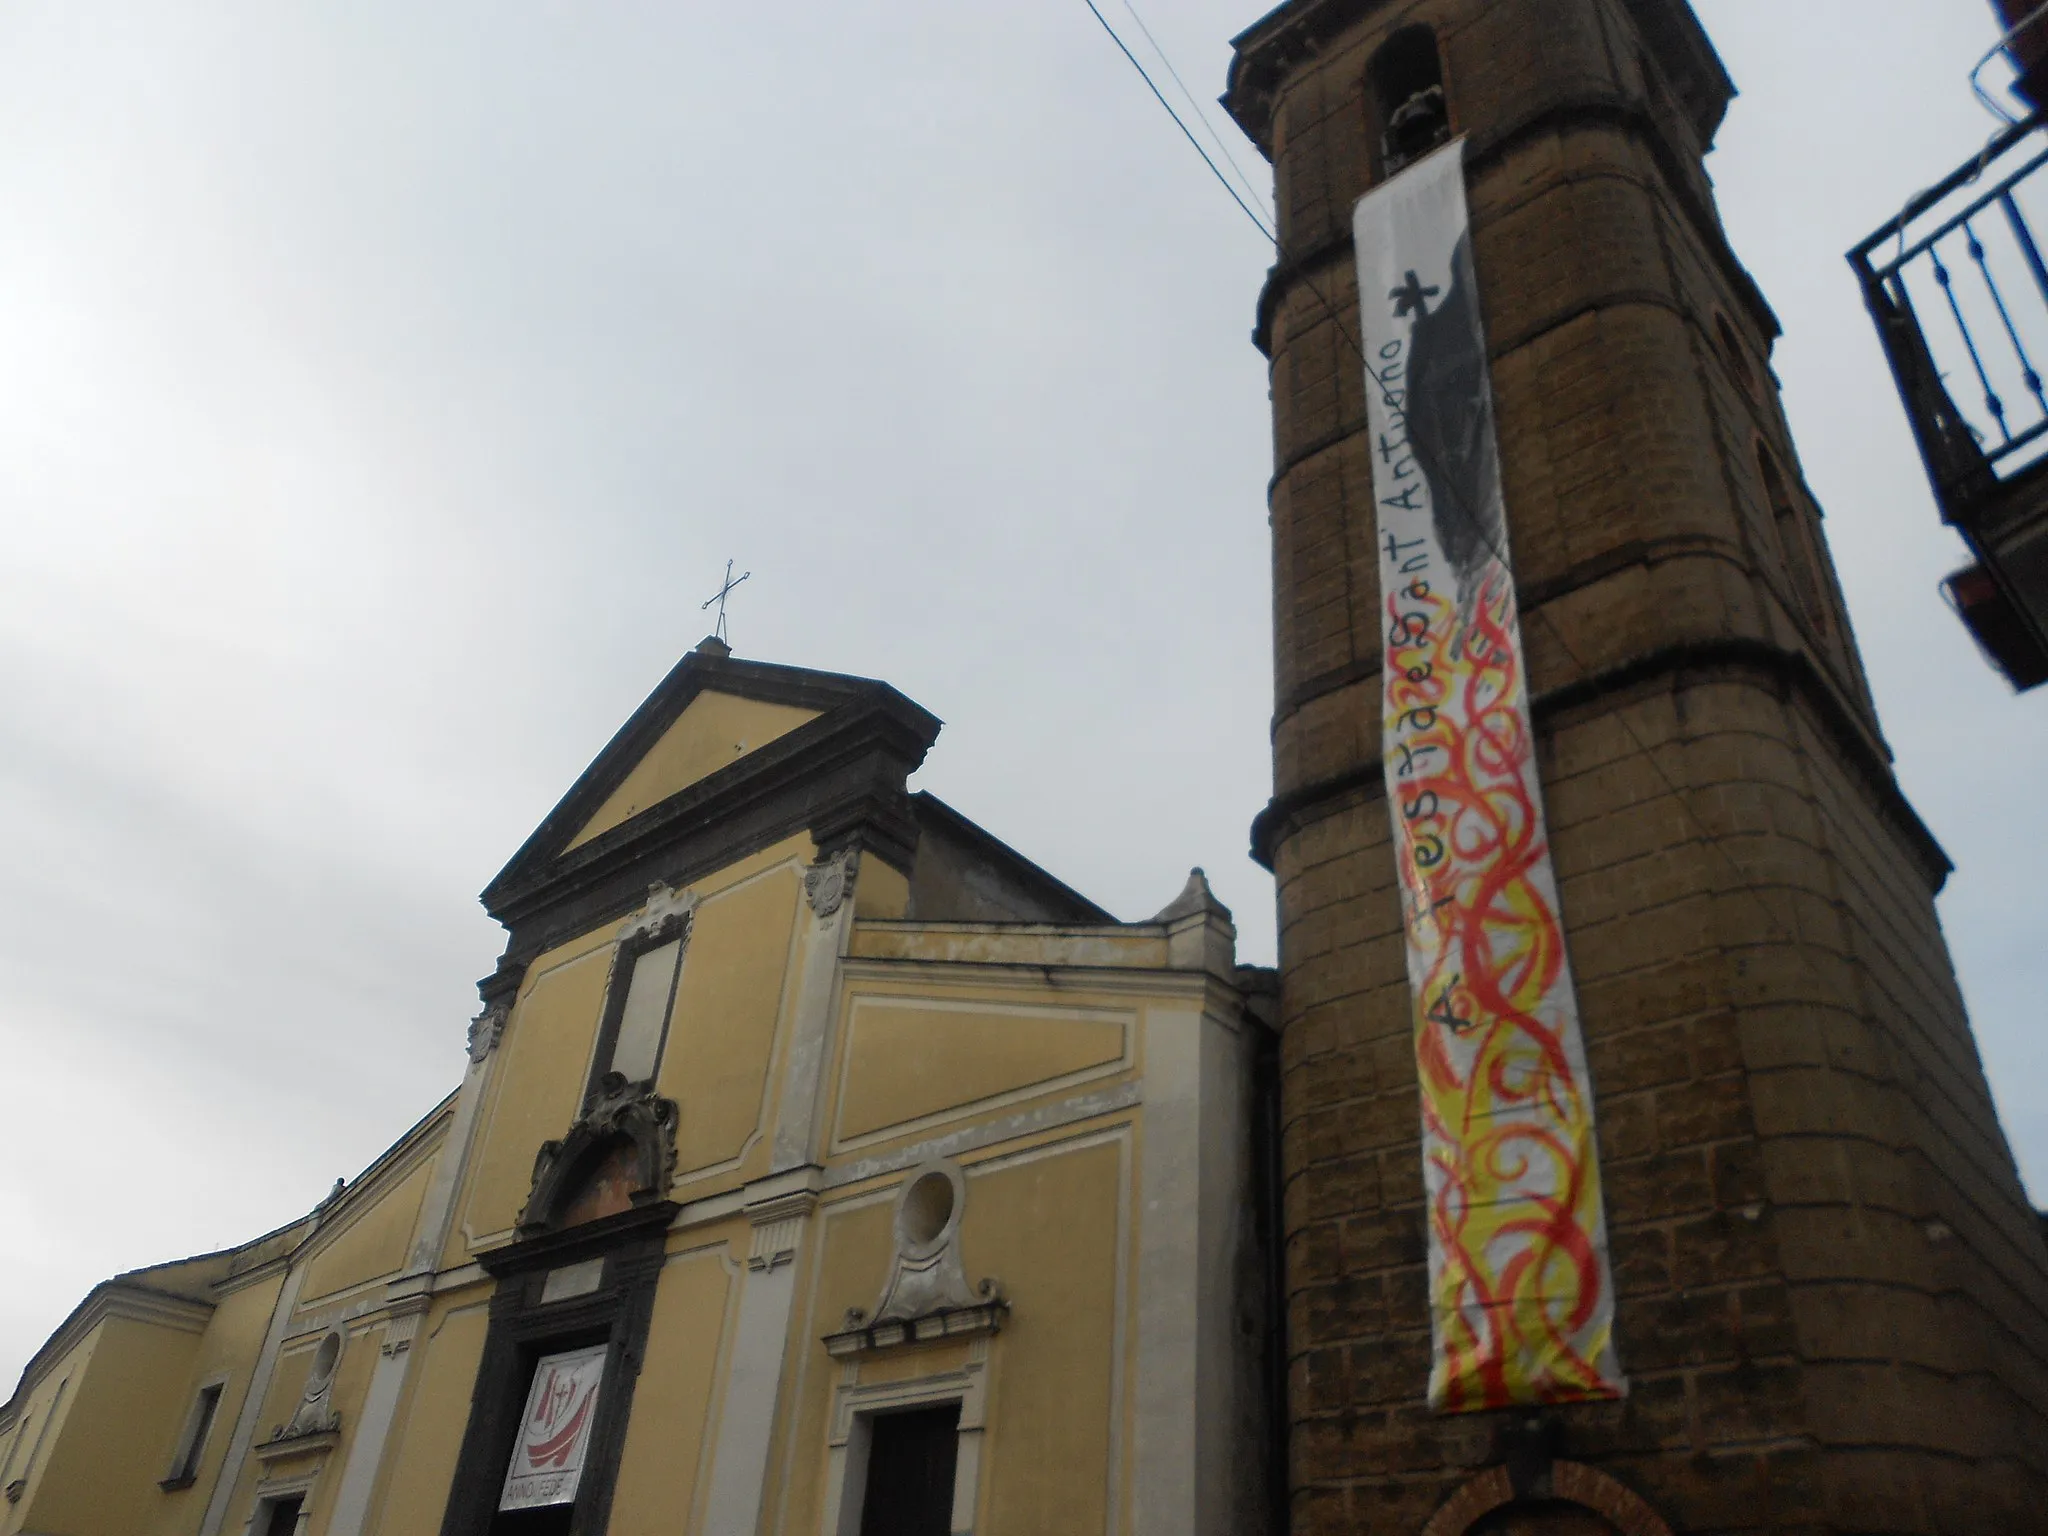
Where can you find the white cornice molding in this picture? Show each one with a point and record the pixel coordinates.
(394, 1166)
(161, 1309)
(1222, 1000)
(269, 1269)
(1148, 981)
(109, 1299)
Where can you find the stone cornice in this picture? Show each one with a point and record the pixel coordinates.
(118, 1299)
(839, 776)
(1264, 52)
(1788, 672)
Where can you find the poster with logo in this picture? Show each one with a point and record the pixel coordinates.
(1521, 1297)
(554, 1433)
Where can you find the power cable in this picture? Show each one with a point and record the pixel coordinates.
(1183, 127)
(1713, 839)
(1201, 115)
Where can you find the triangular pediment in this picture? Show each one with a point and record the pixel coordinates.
(723, 753)
(714, 731)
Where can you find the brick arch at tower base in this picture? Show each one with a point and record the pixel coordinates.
(1568, 1482)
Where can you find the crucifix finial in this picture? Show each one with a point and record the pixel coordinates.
(719, 597)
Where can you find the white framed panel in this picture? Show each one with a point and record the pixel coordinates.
(1022, 1015)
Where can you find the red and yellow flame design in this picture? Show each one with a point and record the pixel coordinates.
(1519, 1286)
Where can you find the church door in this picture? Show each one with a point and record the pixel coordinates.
(910, 1473)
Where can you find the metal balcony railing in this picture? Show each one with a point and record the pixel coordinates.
(1959, 291)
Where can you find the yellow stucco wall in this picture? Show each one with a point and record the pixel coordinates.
(1049, 1223)
(287, 1385)
(230, 1347)
(426, 1436)
(925, 1049)
(40, 1428)
(722, 1037)
(1052, 1223)
(910, 1058)
(537, 1085)
(716, 730)
(881, 891)
(373, 1243)
(97, 1457)
(668, 1452)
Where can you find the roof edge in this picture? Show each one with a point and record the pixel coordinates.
(924, 803)
(699, 671)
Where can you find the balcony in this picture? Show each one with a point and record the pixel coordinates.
(1958, 289)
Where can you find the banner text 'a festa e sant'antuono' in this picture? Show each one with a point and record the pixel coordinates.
(1521, 1297)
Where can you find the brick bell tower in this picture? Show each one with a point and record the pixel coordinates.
(1830, 1291)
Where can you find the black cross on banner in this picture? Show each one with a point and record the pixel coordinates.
(1410, 296)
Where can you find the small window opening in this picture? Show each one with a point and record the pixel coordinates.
(325, 1359)
(1793, 538)
(1407, 81)
(192, 1443)
(281, 1516)
(1732, 349)
(912, 1458)
(927, 1207)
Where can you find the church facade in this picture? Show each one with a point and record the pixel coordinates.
(822, 1167)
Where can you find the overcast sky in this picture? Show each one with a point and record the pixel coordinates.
(383, 386)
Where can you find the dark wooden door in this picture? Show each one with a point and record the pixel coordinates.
(910, 1473)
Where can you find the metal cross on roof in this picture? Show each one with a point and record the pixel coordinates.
(719, 598)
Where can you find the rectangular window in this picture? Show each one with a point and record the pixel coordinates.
(644, 1018)
(280, 1517)
(911, 1462)
(637, 1008)
(192, 1442)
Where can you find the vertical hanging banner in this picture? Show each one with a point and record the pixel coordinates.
(554, 1436)
(1521, 1298)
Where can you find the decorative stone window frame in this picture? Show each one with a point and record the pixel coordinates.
(314, 1425)
(668, 916)
(926, 1295)
(856, 1406)
(551, 1297)
(273, 1491)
